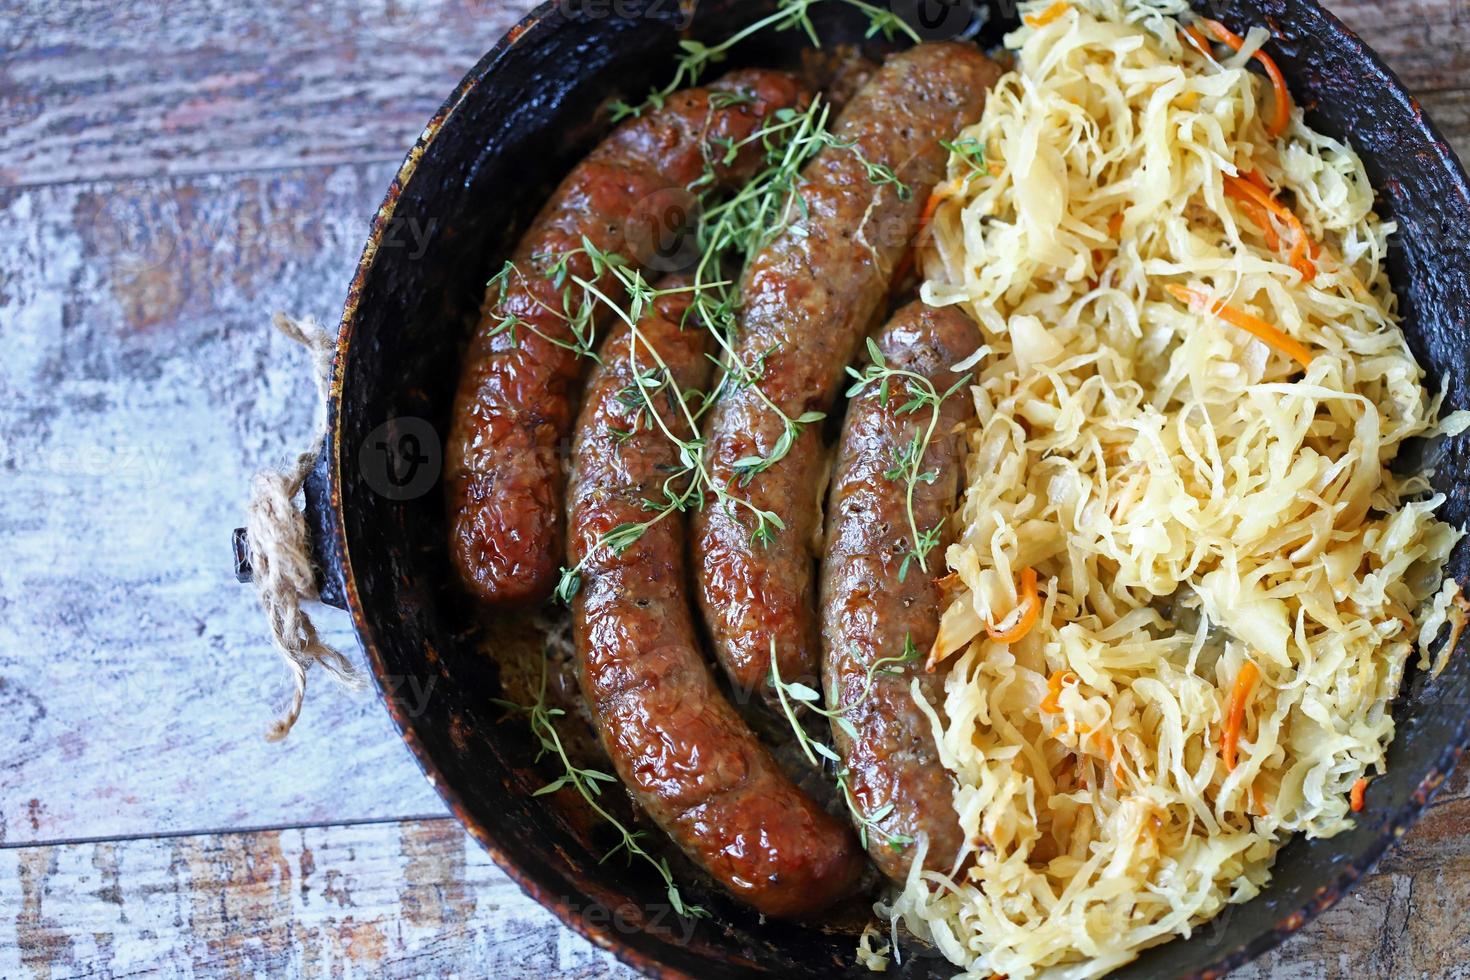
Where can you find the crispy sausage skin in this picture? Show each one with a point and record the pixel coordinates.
(690, 760)
(867, 609)
(517, 388)
(809, 298)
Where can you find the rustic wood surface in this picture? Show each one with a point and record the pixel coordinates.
(170, 173)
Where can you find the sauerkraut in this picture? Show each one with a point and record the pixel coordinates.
(1193, 500)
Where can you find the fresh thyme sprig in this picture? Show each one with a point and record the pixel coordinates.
(788, 15)
(738, 227)
(578, 306)
(911, 654)
(579, 323)
(687, 485)
(587, 783)
(728, 232)
(908, 462)
(972, 152)
(747, 223)
(761, 209)
(789, 693)
(878, 173)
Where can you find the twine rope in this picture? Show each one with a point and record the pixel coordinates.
(280, 548)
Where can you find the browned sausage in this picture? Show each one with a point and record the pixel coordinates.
(809, 298)
(868, 610)
(517, 386)
(690, 760)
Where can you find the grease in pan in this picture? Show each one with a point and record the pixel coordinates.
(1186, 584)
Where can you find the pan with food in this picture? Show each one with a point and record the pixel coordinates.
(695, 767)
(519, 377)
(1044, 272)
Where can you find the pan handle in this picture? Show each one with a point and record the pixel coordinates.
(326, 557)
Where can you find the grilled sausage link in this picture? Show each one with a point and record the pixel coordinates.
(516, 396)
(870, 604)
(690, 760)
(809, 298)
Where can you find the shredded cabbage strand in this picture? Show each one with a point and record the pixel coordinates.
(1191, 498)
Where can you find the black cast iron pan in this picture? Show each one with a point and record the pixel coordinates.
(520, 119)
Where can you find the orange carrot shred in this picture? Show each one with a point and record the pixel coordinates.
(1262, 218)
(1251, 190)
(1110, 749)
(1457, 626)
(906, 262)
(904, 267)
(1252, 325)
(936, 197)
(1282, 116)
(1049, 14)
(1115, 225)
(1030, 610)
(1197, 39)
(927, 215)
(1054, 684)
(1355, 798)
(1245, 681)
(1254, 176)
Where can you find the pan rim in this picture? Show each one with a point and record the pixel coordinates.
(541, 20)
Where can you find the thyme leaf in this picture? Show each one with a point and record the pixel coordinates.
(698, 57)
(587, 783)
(791, 693)
(972, 152)
(908, 461)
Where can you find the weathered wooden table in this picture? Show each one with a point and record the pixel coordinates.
(170, 173)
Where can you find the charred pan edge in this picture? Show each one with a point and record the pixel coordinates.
(1304, 17)
(602, 935)
(1329, 895)
(1309, 18)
